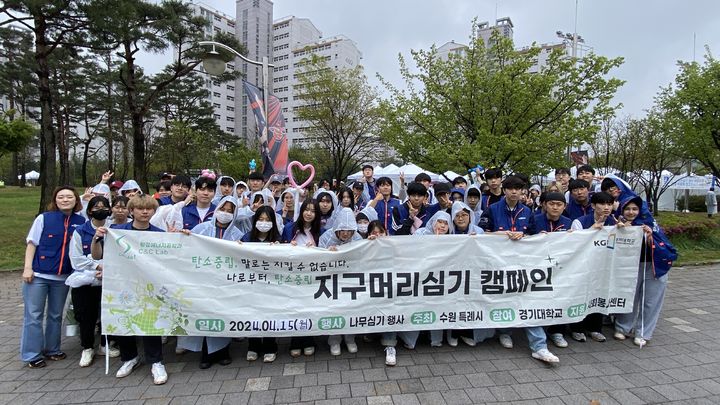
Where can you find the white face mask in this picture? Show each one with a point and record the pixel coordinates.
(362, 228)
(223, 217)
(263, 226)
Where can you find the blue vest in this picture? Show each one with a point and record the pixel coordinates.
(191, 217)
(575, 210)
(503, 219)
(52, 253)
(128, 226)
(588, 220)
(542, 223)
(384, 211)
(86, 232)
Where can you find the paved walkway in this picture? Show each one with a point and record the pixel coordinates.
(681, 365)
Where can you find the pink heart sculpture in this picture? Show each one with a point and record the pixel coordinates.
(303, 168)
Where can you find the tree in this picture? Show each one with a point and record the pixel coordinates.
(659, 158)
(19, 84)
(15, 134)
(487, 105)
(342, 112)
(694, 100)
(52, 24)
(131, 25)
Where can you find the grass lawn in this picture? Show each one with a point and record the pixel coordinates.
(18, 208)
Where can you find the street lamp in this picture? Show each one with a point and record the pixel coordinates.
(215, 65)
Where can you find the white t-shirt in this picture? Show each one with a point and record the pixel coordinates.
(202, 212)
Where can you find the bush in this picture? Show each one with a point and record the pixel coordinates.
(696, 203)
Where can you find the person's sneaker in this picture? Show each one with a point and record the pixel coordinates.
(309, 351)
(159, 374)
(295, 352)
(452, 341)
(619, 335)
(251, 356)
(335, 349)
(468, 341)
(638, 341)
(506, 341)
(578, 336)
(86, 357)
(546, 356)
(269, 357)
(435, 344)
(390, 359)
(558, 340)
(597, 336)
(113, 352)
(180, 350)
(128, 367)
(352, 347)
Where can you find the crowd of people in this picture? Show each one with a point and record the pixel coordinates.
(65, 249)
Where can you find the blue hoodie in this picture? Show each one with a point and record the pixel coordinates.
(627, 192)
(662, 251)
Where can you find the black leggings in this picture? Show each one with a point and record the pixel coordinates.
(86, 306)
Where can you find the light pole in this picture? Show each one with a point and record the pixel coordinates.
(215, 65)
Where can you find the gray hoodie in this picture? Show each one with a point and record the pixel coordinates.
(344, 221)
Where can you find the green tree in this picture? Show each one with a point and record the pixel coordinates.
(52, 24)
(694, 100)
(488, 105)
(19, 84)
(15, 134)
(341, 108)
(128, 26)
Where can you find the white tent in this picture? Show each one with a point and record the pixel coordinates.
(411, 170)
(31, 175)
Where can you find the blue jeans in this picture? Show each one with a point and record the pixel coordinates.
(33, 342)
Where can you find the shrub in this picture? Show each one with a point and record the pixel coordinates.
(696, 203)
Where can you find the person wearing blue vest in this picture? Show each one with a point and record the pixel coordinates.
(47, 265)
(142, 207)
(656, 258)
(602, 204)
(179, 189)
(552, 220)
(86, 298)
(578, 203)
(412, 214)
(385, 202)
(493, 178)
(514, 219)
(202, 209)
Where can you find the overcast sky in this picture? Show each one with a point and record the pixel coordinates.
(651, 35)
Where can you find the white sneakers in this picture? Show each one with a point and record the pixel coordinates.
(309, 351)
(558, 340)
(86, 357)
(638, 341)
(335, 349)
(269, 357)
(158, 370)
(619, 335)
(468, 341)
(545, 355)
(112, 352)
(597, 336)
(251, 356)
(295, 352)
(159, 374)
(352, 347)
(452, 341)
(390, 359)
(128, 367)
(506, 341)
(578, 336)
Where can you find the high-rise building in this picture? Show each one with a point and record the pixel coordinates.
(222, 95)
(254, 28)
(503, 26)
(296, 39)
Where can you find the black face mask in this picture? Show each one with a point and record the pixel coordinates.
(100, 215)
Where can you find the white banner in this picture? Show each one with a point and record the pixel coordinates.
(684, 182)
(173, 284)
